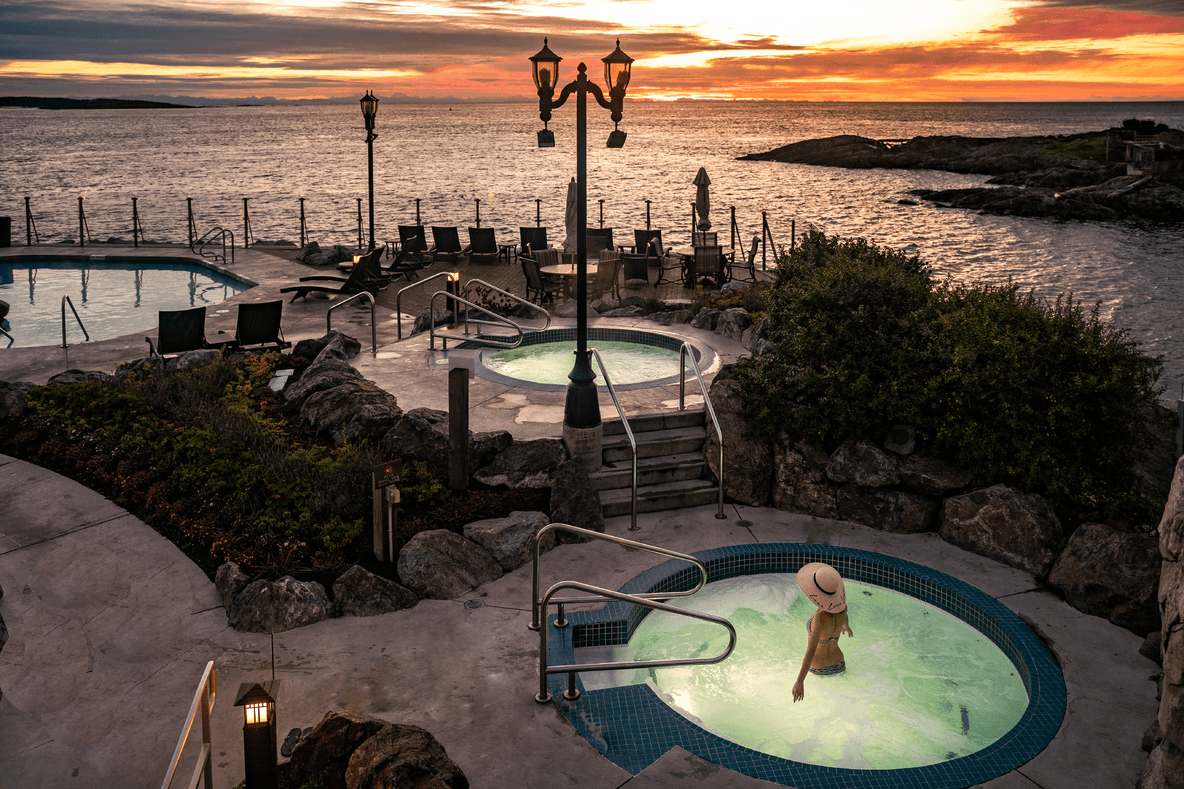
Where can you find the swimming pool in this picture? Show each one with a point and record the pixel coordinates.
(634, 359)
(113, 296)
(633, 726)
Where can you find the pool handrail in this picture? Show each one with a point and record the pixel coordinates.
(628, 432)
(483, 340)
(11, 339)
(399, 298)
(373, 318)
(66, 300)
(198, 245)
(203, 701)
(491, 286)
(535, 620)
(685, 351)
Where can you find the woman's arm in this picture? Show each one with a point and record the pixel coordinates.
(799, 687)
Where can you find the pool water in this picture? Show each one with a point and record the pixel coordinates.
(113, 298)
(921, 686)
(551, 362)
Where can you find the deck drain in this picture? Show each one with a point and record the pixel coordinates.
(473, 605)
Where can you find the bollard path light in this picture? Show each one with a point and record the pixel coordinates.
(259, 732)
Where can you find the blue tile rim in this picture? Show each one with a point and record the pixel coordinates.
(704, 355)
(632, 727)
(127, 261)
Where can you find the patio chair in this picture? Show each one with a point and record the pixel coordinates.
(179, 331)
(750, 261)
(482, 245)
(537, 289)
(664, 262)
(642, 239)
(533, 239)
(447, 244)
(366, 276)
(607, 273)
(709, 263)
(596, 245)
(258, 327)
(604, 232)
(704, 239)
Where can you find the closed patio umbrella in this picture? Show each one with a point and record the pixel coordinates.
(703, 199)
(570, 218)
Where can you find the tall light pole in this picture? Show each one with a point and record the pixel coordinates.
(582, 428)
(369, 111)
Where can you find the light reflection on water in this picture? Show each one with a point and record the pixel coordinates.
(450, 157)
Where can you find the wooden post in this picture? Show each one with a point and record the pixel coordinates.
(458, 428)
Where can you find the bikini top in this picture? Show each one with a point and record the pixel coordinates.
(821, 640)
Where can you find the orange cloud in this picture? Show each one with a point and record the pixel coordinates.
(1049, 23)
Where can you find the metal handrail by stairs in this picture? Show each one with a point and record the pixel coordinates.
(66, 300)
(521, 301)
(399, 298)
(628, 432)
(373, 318)
(498, 319)
(199, 245)
(203, 702)
(11, 339)
(648, 600)
(687, 352)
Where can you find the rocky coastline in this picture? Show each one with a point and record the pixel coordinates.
(1081, 176)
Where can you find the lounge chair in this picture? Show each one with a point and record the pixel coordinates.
(482, 245)
(179, 331)
(707, 262)
(537, 290)
(365, 276)
(533, 239)
(447, 244)
(258, 327)
(413, 252)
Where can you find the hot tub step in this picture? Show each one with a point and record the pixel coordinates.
(650, 471)
(668, 496)
(655, 443)
(644, 423)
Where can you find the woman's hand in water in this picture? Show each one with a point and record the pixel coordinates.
(799, 691)
(848, 630)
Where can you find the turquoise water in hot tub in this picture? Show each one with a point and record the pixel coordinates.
(551, 362)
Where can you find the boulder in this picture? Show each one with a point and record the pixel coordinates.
(230, 581)
(762, 347)
(362, 593)
(321, 757)
(901, 439)
(81, 377)
(733, 322)
(423, 435)
(484, 446)
(318, 377)
(890, 510)
(148, 365)
(337, 254)
(574, 501)
(671, 317)
(748, 456)
(276, 606)
(311, 248)
(441, 565)
(403, 756)
(1004, 524)
(630, 311)
(1111, 574)
(930, 476)
(706, 319)
(864, 464)
(510, 540)
(799, 480)
(424, 320)
(1152, 646)
(12, 397)
(1171, 525)
(525, 464)
(341, 347)
(604, 304)
(193, 360)
(756, 333)
(357, 410)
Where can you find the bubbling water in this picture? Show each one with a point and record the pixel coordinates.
(550, 362)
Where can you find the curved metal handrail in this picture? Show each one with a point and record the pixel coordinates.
(11, 339)
(497, 319)
(530, 304)
(628, 432)
(399, 298)
(685, 352)
(373, 318)
(66, 300)
(199, 245)
(203, 701)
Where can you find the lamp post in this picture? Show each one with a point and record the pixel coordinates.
(369, 111)
(259, 732)
(582, 428)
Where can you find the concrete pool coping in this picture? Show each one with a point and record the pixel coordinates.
(111, 625)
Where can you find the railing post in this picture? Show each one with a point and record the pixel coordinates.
(764, 240)
(81, 222)
(303, 227)
(793, 234)
(732, 229)
(417, 220)
(359, 222)
(246, 224)
(647, 214)
(601, 213)
(538, 220)
(192, 225)
(28, 224)
(478, 199)
(135, 223)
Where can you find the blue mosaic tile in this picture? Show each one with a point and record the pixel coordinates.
(632, 727)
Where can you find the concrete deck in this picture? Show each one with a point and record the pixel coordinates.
(111, 625)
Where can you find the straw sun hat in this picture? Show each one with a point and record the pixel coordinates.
(823, 584)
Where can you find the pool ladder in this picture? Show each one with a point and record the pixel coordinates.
(539, 607)
(496, 320)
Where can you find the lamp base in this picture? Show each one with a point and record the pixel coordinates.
(585, 443)
(546, 138)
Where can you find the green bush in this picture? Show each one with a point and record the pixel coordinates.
(1015, 389)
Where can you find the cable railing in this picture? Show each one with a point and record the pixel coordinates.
(373, 318)
(685, 352)
(628, 432)
(203, 704)
(647, 600)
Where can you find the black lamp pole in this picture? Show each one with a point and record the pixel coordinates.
(369, 111)
(582, 408)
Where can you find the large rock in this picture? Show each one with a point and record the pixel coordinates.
(1111, 574)
(800, 483)
(322, 757)
(510, 540)
(930, 476)
(362, 593)
(318, 377)
(890, 510)
(403, 756)
(748, 456)
(573, 499)
(1171, 525)
(706, 319)
(275, 606)
(864, 464)
(1165, 768)
(193, 360)
(441, 565)
(81, 377)
(424, 320)
(230, 581)
(733, 322)
(12, 397)
(755, 334)
(1004, 524)
(423, 434)
(525, 464)
(357, 410)
(341, 347)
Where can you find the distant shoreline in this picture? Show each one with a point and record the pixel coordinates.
(36, 102)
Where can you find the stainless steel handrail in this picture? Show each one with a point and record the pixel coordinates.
(685, 352)
(11, 339)
(595, 535)
(493, 287)
(66, 300)
(373, 318)
(399, 298)
(571, 694)
(628, 432)
(203, 701)
(199, 244)
(497, 319)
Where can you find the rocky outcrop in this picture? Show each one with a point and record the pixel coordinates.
(362, 593)
(733, 322)
(230, 581)
(81, 377)
(1001, 523)
(574, 500)
(12, 397)
(403, 756)
(706, 319)
(862, 463)
(800, 483)
(930, 476)
(441, 565)
(275, 606)
(890, 510)
(321, 757)
(510, 540)
(313, 255)
(748, 456)
(355, 410)
(1111, 574)
(344, 347)
(329, 369)
(192, 360)
(525, 464)
(423, 435)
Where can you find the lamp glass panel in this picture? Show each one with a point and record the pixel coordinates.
(256, 713)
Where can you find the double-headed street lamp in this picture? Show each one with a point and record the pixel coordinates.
(369, 111)
(582, 429)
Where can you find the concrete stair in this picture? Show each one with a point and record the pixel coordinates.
(671, 473)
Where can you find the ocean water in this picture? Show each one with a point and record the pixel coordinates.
(450, 157)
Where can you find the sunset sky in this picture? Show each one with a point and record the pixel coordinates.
(853, 50)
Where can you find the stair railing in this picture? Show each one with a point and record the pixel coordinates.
(203, 702)
(496, 289)
(11, 339)
(66, 300)
(198, 247)
(648, 600)
(686, 352)
(399, 298)
(457, 300)
(628, 432)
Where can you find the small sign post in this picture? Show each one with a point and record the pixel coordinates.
(385, 479)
